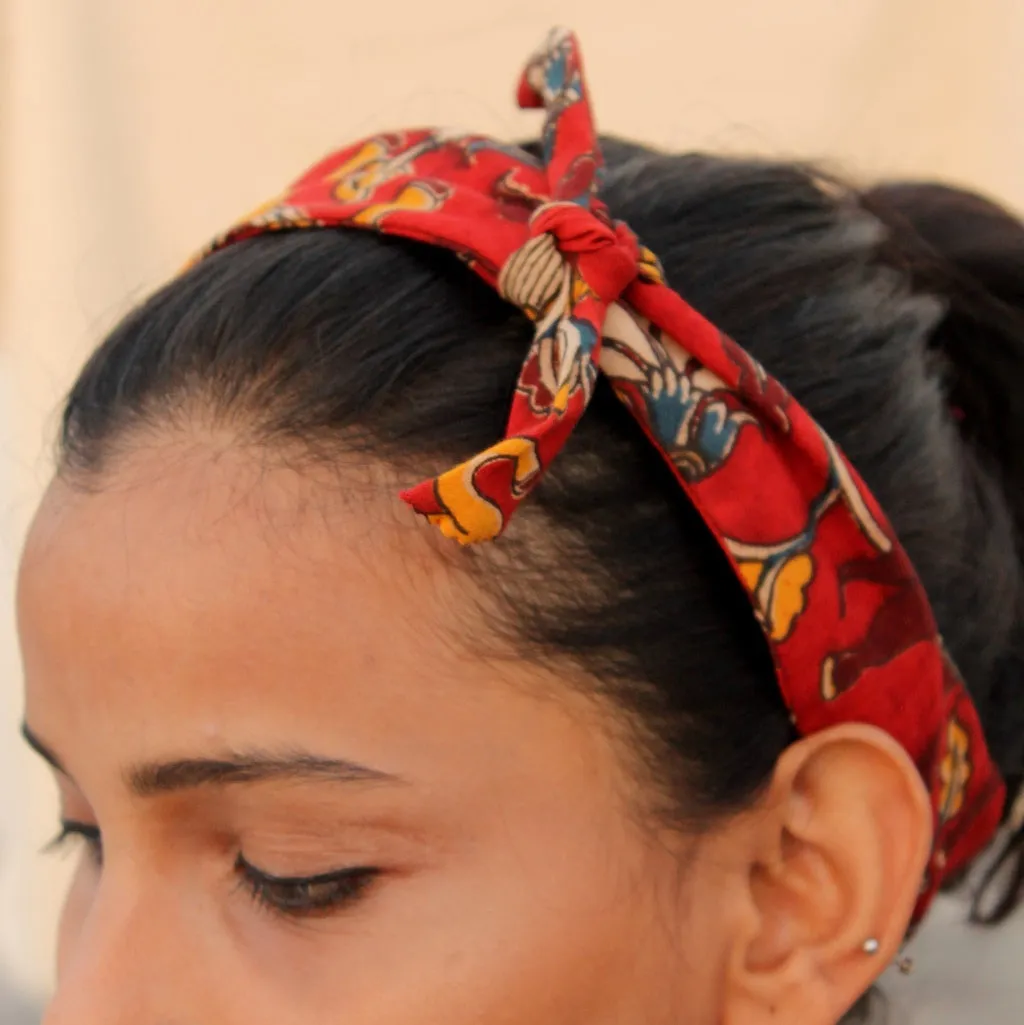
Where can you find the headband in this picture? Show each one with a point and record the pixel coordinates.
(848, 623)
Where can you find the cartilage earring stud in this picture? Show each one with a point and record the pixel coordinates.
(871, 946)
(905, 965)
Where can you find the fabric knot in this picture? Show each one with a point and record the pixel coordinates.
(606, 254)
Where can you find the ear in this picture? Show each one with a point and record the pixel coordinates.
(838, 849)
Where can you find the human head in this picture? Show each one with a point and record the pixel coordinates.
(632, 828)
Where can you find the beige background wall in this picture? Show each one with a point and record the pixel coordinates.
(130, 130)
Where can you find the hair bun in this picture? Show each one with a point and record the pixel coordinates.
(969, 252)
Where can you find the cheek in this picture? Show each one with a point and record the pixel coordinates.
(77, 905)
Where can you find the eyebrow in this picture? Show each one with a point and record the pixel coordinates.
(153, 778)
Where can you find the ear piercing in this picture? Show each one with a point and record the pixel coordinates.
(871, 946)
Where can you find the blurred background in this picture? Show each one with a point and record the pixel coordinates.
(132, 131)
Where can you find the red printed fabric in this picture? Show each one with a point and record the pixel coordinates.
(849, 625)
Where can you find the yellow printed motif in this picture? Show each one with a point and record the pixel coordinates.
(417, 196)
(378, 161)
(469, 517)
(780, 591)
(955, 770)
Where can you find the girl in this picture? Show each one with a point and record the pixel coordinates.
(709, 679)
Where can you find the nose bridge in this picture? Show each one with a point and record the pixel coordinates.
(128, 962)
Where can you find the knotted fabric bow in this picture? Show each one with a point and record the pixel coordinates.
(847, 620)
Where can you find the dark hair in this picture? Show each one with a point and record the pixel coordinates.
(345, 340)
(970, 251)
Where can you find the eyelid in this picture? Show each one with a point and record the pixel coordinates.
(334, 876)
(296, 898)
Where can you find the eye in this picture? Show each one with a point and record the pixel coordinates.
(306, 897)
(83, 832)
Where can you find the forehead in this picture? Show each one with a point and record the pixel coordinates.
(212, 533)
(207, 595)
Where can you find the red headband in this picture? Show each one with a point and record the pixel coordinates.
(850, 628)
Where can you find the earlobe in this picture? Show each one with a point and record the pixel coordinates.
(838, 849)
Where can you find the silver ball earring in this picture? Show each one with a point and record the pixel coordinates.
(871, 946)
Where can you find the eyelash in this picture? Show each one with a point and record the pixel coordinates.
(315, 896)
(81, 831)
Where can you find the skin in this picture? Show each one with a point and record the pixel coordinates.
(235, 666)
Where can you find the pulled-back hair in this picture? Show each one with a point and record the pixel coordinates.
(895, 317)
